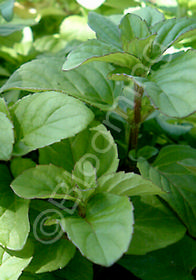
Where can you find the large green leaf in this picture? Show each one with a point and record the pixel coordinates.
(43, 276)
(176, 180)
(95, 145)
(14, 223)
(45, 118)
(94, 50)
(12, 263)
(88, 82)
(170, 31)
(175, 262)
(50, 257)
(6, 137)
(105, 29)
(6, 9)
(43, 181)
(172, 87)
(155, 226)
(104, 234)
(129, 184)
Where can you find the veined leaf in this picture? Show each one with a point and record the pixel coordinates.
(105, 29)
(176, 180)
(14, 223)
(94, 144)
(172, 87)
(170, 31)
(45, 118)
(105, 232)
(94, 50)
(128, 184)
(156, 226)
(88, 82)
(12, 263)
(6, 137)
(43, 181)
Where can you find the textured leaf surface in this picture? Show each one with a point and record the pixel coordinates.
(88, 82)
(128, 184)
(45, 118)
(95, 145)
(105, 232)
(14, 223)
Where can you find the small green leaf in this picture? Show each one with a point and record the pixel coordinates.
(6, 8)
(126, 184)
(45, 118)
(132, 26)
(95, 145)
(43, 181)
(105, 232)
(51, 257)
(6, 137)
(12, 263)
(14, 223)
(105, 29)
(174, 262)
(156, 226)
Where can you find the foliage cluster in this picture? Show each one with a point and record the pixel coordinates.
(98, 139)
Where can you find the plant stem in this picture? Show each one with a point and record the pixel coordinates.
(133, 140)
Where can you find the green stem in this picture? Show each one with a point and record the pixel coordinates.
(133, 140)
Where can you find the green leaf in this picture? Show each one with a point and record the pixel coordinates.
(6, 8)
(170, 31)
(6, 137)
(126, 184)
(132, 27)
(150, 15)
(12, 263)
(172, 86)
(105, 232)
(156, 226)
(43, 276)
(18, 165)
(9, 28)
(84, 269)
(4, 108)
(43, 181)
(176, 180)
(88, 83)
(174, 262)
(94, 50)
(95, 145)
(14, 223)
(105, 29)
(51, 257)
(42, 119)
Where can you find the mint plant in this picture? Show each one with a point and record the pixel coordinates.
(98, 159)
